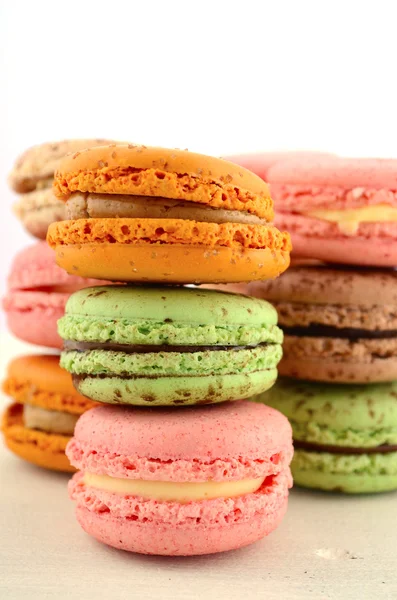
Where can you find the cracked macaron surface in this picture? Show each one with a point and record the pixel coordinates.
(339, 324)
(339, 210)
(181, 481)
(169, 346)
(151, 214)
(345, 437)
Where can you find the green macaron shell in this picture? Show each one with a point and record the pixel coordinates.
(176, 391)
(210, 362)
(361, 416)
(190, 305)
(123, 331)
(351, 474)
(181, 316)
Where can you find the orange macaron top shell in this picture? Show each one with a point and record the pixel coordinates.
(168, 173)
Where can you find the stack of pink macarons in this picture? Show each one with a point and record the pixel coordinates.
(337, 305)
(37, 294)
(337, 210)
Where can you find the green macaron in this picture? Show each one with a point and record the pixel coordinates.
(345, 436)
(158, 346)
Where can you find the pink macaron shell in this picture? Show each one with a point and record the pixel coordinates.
(298, 198)
(170, 540)
(37, 294)
(374, 244)
(33, 316)
(217, 442)
(261, 162)
(35, 267)
(345, 173)
(168, 528)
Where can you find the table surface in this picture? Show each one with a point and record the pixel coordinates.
(328, 547)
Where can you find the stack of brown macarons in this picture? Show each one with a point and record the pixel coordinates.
(39, 421)
(337, 306)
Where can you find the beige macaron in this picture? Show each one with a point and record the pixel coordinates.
(32, 178)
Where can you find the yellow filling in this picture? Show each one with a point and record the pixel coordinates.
(168, 491)
(349, 220)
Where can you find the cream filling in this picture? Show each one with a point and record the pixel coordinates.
(38, 200)
(348, 221)
(168, 491)
(84, 206)
(50, 421)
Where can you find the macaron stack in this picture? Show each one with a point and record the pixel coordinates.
(40, 421)
(339, 321)
(175, 462)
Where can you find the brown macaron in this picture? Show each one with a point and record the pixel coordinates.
(340, 324)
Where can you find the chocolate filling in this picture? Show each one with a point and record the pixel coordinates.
(78, 378)
(146, 348)
(318, 330)
(311, 447)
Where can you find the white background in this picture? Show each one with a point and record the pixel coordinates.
(212, 76)
(215, 77)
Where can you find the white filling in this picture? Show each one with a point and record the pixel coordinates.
(50, 421)
(168, 491)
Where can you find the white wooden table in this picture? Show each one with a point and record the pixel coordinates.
(328, 547)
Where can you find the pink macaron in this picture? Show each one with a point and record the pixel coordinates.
(338, 210)
(181, 481)
(260, 162)
(37, 294)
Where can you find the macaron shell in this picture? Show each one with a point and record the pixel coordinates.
(170, 263)
(34, 267)
(37, 294)
(40, 162)
(38, 324)
(150, 527)
(153, 232)
(361, 252)
(45, 450)
(261, 162)
(180, 306)
(167, 173)
(350, 474)
(336, 172)
(229, 432)
(338, 360)
(359, 416)
(171, 540)
(39, 380)
(176, 391)
(326, 285)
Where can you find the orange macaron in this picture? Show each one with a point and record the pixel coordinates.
(40, 422)
(137, 213)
